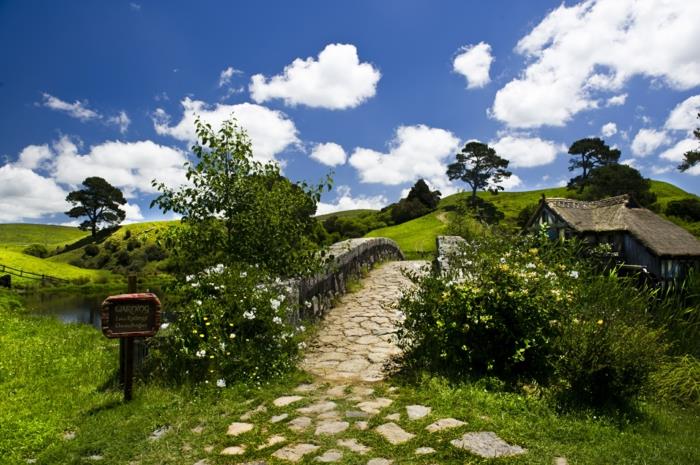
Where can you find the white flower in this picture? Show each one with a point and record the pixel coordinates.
(221, 383)
(248, 315)
(195, 285)
(198, 302)
(231, 336)
(573, 274)
(549, 274)
(275, 304)
(301, 328)
(302, 345)
(189, 278)
(243, 274)
(503, 260)
(530, 265)
(201, 353)
(280, 297)
(164, 325)
(277, 320)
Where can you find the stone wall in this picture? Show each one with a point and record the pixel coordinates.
(447, 248)
(315, 295)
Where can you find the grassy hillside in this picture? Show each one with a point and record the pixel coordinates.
(42, 266)
(345, 214)
(19, 236)
(417, 237)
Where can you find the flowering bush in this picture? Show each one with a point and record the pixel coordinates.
(229, 324)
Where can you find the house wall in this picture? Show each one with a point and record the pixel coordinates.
(635, 253)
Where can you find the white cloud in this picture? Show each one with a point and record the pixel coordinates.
(226, 75)
(511, 182)
(648, 140)
(26, 195)
(336, 80)
(345, 201)
(526, 152)
(684, 117)
(330, 154)
(655, 169)
(415, 152)
(676, 152)
(33, 156)
(76, 109)
(133, 213)
(121, 120)
(616, 100)
(631, 162)
(609, 129)
(474, 62)
(270, 131)
(578, 52)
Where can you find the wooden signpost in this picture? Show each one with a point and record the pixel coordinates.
(128, 316)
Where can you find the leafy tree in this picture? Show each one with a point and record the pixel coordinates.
(691, 158)
(687, 209)
(408, 209)
(421, 192)
(480, 167)
(588, 154)
(612, 180)
(99, 201)
(236, 209)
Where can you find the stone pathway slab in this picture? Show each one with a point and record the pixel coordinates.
(286, 400)
(295, 452)
(487, 444)
(444, 423)
(234, 429)
(394, 433)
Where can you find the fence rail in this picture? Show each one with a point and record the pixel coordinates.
(30, 275)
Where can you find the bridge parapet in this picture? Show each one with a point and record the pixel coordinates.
(347, 258)
(448, 249)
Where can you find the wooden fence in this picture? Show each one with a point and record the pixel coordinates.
(5, 269)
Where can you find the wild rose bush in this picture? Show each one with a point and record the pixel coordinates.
(526, 309)
(230, 324)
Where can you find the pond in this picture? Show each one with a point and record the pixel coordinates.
(69, 308)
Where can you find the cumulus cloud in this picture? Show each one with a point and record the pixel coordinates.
(76, 109)
(414, 152)
(270, 131)
(33, 156)
(121, 120)
(330, 154)
(511, 182)
(226, 75)
(648, 140)
(133, 213)
(676, 152)
(609, 129)
(345, 201)
(474, 62)
(684, 117)
(526, 152)
(581, 51)
(336, 80)
(25, 194)
(616, 100)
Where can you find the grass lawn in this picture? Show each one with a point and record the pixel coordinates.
(18, 236)
(345, 214)
(56, 380)
(42, 266)
(416, 237)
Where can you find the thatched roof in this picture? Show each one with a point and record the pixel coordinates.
(622, 213)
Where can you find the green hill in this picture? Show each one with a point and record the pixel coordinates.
(346, 213)
(18, 236)
(417, 237)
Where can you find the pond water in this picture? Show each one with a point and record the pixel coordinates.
(69, 308)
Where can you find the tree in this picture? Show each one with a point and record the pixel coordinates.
(588, 154)
(691, 158)
(480, 167)
(99, 201)
(236, 209)
(421, 192)
(612, 180)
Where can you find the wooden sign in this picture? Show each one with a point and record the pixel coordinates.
(131, 315)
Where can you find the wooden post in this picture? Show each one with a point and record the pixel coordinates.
(131, 289)
(127, 344)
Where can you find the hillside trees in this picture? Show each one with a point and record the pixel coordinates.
(588, 154)
(615, 179)
(691, 158)
(99, 201)
(419, 201)
(480, 167)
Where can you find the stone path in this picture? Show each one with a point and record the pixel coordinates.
(357, 336)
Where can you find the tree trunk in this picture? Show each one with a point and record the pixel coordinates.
(93, 228)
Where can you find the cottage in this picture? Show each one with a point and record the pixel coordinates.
(638, 235)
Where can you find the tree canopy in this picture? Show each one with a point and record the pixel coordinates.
(692, 157)
(237, 209)
(480, 167)
(588, 154)
(616, 179)
(99, 201)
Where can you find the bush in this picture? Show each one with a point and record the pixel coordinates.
(133, 244)
(91, 250)
(36, 250)
(111, 245)
(678, 380)
(230, 323)
(123, 258)
(127, 234)
(687, 209)
(155, 253)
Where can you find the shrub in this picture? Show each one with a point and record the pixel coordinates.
(111, 245)
(230, 323)
(678, 380)
(91, 250)
(123, 258)
(36, 250)
(687, 209)
(155, 253)
(133, 244)
(127, 234)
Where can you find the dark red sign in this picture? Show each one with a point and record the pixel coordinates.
(131, 315)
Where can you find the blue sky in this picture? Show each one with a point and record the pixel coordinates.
(380, 92)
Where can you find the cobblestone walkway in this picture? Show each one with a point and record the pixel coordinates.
(357, 336)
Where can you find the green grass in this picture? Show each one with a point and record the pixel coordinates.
(346, 213)
(19, 236)
(42, 266)
(416, 237)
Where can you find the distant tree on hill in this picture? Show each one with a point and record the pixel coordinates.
(588, 154)
(419, 201)
(691, 158)
(99, 201)
(480, 167)
(612, 180)
(421, 192)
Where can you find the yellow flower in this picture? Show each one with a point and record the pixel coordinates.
(600, 322)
